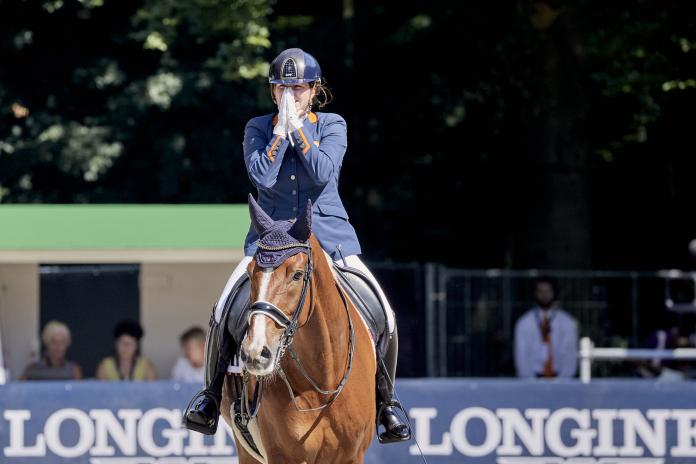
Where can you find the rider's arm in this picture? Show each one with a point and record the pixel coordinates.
(262, 157)
(324, 160)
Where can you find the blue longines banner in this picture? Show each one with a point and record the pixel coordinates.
(472, 421)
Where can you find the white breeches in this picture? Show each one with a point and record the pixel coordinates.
(352, 261)
(238, 272)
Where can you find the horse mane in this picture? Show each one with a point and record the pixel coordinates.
(319, 256)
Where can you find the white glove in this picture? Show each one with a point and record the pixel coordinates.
(294, 122)
(281, 127)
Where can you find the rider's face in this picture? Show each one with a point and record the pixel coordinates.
(302, 93)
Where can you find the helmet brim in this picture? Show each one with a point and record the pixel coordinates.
(291, 81)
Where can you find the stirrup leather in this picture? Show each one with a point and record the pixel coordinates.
(241, 419)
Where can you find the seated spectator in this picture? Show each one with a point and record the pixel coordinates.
(56, 339)
(669, 337)
(546, 337)
(126, 363)
(191, 366)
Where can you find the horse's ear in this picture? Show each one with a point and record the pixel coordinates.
(259, 219)
(302, 227)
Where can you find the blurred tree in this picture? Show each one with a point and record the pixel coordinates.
(499, 129)
(127, 101)
(642, 69)
(549, 133)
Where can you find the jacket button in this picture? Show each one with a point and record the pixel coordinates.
(294, 192)
(292, 177)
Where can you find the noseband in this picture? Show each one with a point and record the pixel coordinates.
(291, 326)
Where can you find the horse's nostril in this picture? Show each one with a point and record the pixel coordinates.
(266, 353)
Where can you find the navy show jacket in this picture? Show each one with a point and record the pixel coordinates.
(286, 176)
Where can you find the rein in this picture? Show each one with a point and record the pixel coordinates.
(291, 326)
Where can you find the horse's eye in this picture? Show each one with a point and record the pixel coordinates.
(297, 275)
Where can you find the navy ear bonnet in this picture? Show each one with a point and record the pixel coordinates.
(278, 240)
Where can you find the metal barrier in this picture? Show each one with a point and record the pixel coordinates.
(3, 371)
(470, 314)
(588, 353)
(460, 322)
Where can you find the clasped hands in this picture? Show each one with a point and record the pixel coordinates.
(288, 120)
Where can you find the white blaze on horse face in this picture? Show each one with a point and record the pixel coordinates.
(265, 280)
(259, 327)
(259, 340)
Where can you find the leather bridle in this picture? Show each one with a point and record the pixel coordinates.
(290, 324)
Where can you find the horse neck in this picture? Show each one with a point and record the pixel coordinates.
(322, 343)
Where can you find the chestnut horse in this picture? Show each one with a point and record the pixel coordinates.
(308, 347)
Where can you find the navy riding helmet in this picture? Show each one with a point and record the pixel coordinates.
(294, 66)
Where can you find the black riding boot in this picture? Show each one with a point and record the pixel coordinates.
(203, 412)
(394, 428)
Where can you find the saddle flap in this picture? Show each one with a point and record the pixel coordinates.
(366, 300)
(234, 318)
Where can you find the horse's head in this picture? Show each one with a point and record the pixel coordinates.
(280, 280)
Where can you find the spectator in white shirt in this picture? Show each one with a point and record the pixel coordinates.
(191, 366)
(546, 337)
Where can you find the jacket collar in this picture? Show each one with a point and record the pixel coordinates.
(313, 118)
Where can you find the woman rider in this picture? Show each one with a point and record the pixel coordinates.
(291, 156)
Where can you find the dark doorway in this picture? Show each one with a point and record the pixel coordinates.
(91, 300)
